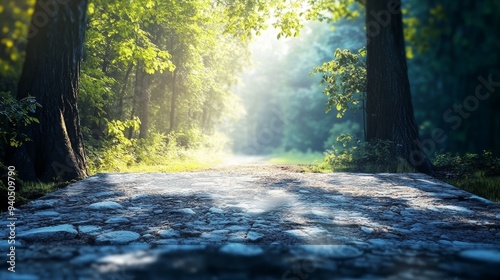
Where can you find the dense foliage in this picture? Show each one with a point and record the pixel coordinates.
(155, 74)
(164, 74)
(284, 107)
(453, 52)
(17, 113)
(169, 81)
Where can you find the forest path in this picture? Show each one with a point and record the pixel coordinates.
(255, 221)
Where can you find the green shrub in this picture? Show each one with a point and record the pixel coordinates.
(116, 152)
(151, 149)
(347, 127)
(190, 138)
(216, 142)
(469, 165)
(158, 152)
(476, 173)
(353, 155)
(18, 113)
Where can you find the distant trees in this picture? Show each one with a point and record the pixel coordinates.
(453, 52)
(389, 110)
(167, 67)
(284, 108)
(169, 63)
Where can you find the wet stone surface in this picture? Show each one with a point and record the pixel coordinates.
(229, 225)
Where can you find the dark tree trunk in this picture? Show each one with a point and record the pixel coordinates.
(124, 90)
(141, 98)
(143, 113)
(173, 102)
(138, 75)
(389, 110)
(51, 74)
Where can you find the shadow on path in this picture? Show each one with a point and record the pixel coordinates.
(212, 225)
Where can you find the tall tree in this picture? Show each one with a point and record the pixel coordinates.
(389, 107)
(456, 37)
(50, 74)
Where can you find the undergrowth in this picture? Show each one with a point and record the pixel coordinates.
(476, 173)
(176, 152)
(180, 151)
(353, 155)
(25, 191)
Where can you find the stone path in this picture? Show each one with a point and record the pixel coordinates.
(268, 225)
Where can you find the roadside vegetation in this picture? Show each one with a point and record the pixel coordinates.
(160, 81)
(175, 152)
(296, 157)
(158, 153)
(476, 173)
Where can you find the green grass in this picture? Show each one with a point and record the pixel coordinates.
(487, 187)
(33, 190)
(296, 157)
(27, 191)
(187, 160)
(313, 161)
(173, 166)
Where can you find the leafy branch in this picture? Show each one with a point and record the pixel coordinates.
(344, 79)
(16, 113)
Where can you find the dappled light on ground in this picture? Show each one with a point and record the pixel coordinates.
(260, 223)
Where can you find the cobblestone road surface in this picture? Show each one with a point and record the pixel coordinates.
(227, 224)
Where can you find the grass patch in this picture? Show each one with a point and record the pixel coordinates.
(34, 190)
(476, 173)
(296, 157)
(177, 161)
(175, 152)
(311, 161)
(195, 161)
(487, 187)
(27, 191)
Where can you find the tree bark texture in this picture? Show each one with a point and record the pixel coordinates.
(51, 73)
(389, 109)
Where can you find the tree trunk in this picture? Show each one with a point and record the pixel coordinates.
(143, 98)
(138, 75)
(204, 120)
(388, 106)
(51, 74)
(144, 107)
(173, 102)
(123, 90)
